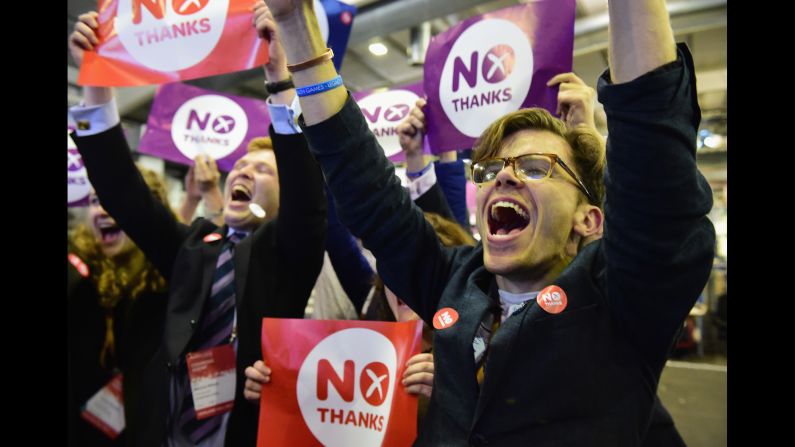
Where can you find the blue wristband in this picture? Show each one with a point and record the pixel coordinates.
(319, 88)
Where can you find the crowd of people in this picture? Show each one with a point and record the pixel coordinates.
(614, 232)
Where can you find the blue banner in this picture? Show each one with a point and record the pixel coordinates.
(338, 23)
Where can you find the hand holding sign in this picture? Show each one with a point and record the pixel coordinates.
(338, 383)
(418, 377)
(575, 100)
(157, 42)
(410, 133)
(412, 129)
(84, 36)
(256, 375)
(276, 68)
(489, 65)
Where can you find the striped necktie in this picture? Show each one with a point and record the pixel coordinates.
(214, 330)
(483, 335)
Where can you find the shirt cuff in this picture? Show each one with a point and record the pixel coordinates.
(91, 120)
(283, 117)
(423, 183)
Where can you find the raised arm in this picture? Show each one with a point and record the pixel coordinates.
(423, 185)
(303, 42)
(84, 38)
(370, 200)
(301, 229)
(658, 241)
(641, 38)
(202, 182)
(111, 170)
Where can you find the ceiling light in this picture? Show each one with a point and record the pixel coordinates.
(378, 49)
(714, 141)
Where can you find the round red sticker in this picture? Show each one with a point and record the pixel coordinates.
(81, 266)
(445, 318)
(212, 237)
(552, 299)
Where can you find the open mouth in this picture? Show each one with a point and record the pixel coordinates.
(507, 218)
(241, 194)
(110, 232)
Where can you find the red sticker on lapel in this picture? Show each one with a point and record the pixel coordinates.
(445, 318)
(212, 237)
(552, 299)
(81, 266)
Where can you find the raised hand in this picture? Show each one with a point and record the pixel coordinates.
(576, 100)
(84, 37)
(206, 175)
(412, 129)
(276, 68)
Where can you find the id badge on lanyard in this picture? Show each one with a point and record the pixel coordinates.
(212, 378)
(105, 409)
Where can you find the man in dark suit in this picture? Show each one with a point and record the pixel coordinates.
(541, 340)
(272, 243)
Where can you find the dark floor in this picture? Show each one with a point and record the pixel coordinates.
(695, 395)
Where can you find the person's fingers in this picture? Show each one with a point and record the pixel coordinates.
(417, 113)
(406, 128)
(420, 358)
(565, 77)
(425, 390)
(251, 397)
(572, 98)
(419, 368)
(252, 390)
(81, 41)
(202, 168)
(86, 31)
(253, 385)
(90, 18)
(257, 375)
(212, 165)
(260, 366)
(417, 124)
(418, 378)
(417, 365)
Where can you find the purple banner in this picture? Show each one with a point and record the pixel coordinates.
(186, 121)
(493, 64)
(77, 185)
(384, 110)
(335, 26)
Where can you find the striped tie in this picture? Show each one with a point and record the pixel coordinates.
(483, 335)
(215, 330)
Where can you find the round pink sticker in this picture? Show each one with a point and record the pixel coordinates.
(552, 299)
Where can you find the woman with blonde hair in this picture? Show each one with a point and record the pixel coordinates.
(115, 313)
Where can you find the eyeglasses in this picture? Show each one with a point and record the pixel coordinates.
(531, 167)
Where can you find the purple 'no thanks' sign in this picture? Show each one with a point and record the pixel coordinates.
(493, 64)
